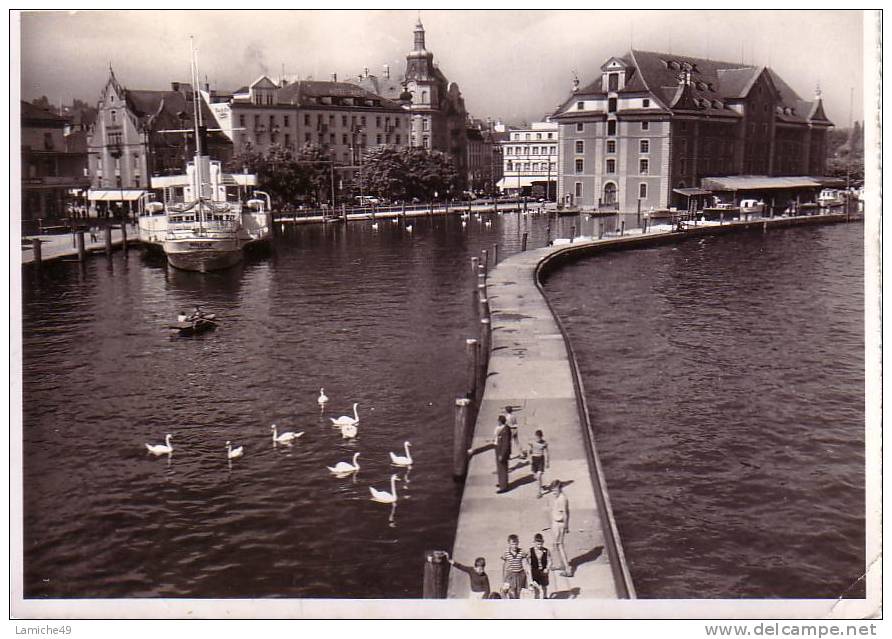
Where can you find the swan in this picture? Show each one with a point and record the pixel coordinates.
(382, 496)
(284, 438)
(409, 228)
(342, 468)
(464, 224)
(375, 226)
(346, 419)
(488, 223)
(232, 453)
(323, 400)
(348, 431)
(161, 449)
(398, 460)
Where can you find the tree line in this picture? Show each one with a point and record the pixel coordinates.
(309, 176)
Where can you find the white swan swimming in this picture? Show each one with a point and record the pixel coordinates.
(384, 497)
(488, 223)
(464, 224)
(323, 400)
(409, 228)
(232, 453)
(342, 468)
(284, 438)
(375, 226)
(161, 449)
(346, 419)
(398, 460)
(348, 431)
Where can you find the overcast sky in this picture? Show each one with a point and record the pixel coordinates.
(511, 65)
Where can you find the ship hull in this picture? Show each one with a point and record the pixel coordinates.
(204, 259)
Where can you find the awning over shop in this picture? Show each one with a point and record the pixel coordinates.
(691, 192)
(514, 182)
(114, 195)
(758, 182)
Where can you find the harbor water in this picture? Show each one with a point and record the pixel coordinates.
(725, 380)
(735, 466)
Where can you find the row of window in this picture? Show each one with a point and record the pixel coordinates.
(530, 166)
(611, 104)
(536, 150)
(331, 120)
(611, 126)
(526, 136)
(610, 166)
(610, 190)
(643, 146)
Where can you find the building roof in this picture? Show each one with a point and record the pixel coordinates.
(708, 86)
(35, 115)
(304, 93)
(758, 182)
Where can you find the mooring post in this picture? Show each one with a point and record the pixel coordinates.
(108, 239)
(721, 218)
(474, 261)
(484, 306)
(81, 250)
(548, 235)
(622, 228)
(495, 254)
(472, 352)
(484, 259)
(572, 232)
(403, 212)
(461, 438)
(124, 236)
(523, 241)
(436, 574)
(430, 210)
(38, 255)
(484, 341)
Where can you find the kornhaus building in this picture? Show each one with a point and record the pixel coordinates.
(651, 126)
(436, 105)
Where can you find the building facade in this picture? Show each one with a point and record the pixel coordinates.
(342, 118)
(436, 105)
(140, 133)
(652, 123)
(530, 160)
(484, 157)
(54, 176)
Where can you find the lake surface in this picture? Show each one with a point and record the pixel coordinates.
(375, 317)
(725, 382)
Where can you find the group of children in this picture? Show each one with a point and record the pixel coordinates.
(538, 450)
(524, 574)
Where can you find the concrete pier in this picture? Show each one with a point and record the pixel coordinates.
(532, 368)
(58, 247)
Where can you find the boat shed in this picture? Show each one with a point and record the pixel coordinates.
(778, 191)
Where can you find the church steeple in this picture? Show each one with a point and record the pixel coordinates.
(419, 35)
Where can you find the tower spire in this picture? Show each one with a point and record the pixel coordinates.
(419, 34)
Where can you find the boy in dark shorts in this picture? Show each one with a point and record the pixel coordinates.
(540, 563)
(516, 568)
(539, 458)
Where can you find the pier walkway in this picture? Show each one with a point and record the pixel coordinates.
(62, 246)
(532, 368)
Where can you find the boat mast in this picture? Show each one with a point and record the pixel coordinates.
(197, 121)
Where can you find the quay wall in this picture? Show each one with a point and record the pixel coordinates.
(532, 365)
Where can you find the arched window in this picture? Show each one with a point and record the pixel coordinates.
(424, 97)
(610, 193)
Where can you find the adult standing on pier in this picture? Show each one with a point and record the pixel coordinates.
(503, 452)
(560, 524)
(512, 424)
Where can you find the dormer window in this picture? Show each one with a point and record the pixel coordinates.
(645, 103)
(613, 82)
(580, 106)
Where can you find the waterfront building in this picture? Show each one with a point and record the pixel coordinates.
(651, 126)
(436, 105)
(127, 142)
(342, 118)
(54, 174)
(484, 156)
(530, 160)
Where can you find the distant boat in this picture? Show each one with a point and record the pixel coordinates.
(195, 327)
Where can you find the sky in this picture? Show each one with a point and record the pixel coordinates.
(511, 65)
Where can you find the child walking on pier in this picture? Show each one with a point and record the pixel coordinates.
(477, 574)
(515, 568)
(539, 459)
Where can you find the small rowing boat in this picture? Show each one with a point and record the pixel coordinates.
(194, 327)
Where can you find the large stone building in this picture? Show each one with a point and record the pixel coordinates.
(127, 143)
(54, 174)
(437, 106)
(342, 118)
(530, 160)
(653, 125)
(484, 156)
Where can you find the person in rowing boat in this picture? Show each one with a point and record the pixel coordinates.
(182, 317)
(197, 314)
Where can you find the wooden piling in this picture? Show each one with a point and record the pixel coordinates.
(572, 232)
(430, 210)
(622, 228)
(721, 218)
(523, 241)
(548, 235)
(436, 575)
(472, 350)
(484, 341)
(495, 254)
(474, 261)
(108, 239)
(124, 236)
(484, 306)
(461, 437)
(81, 249)
(484, 259)
(37, 250)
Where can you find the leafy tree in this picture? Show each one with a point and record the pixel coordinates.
(403, 174)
